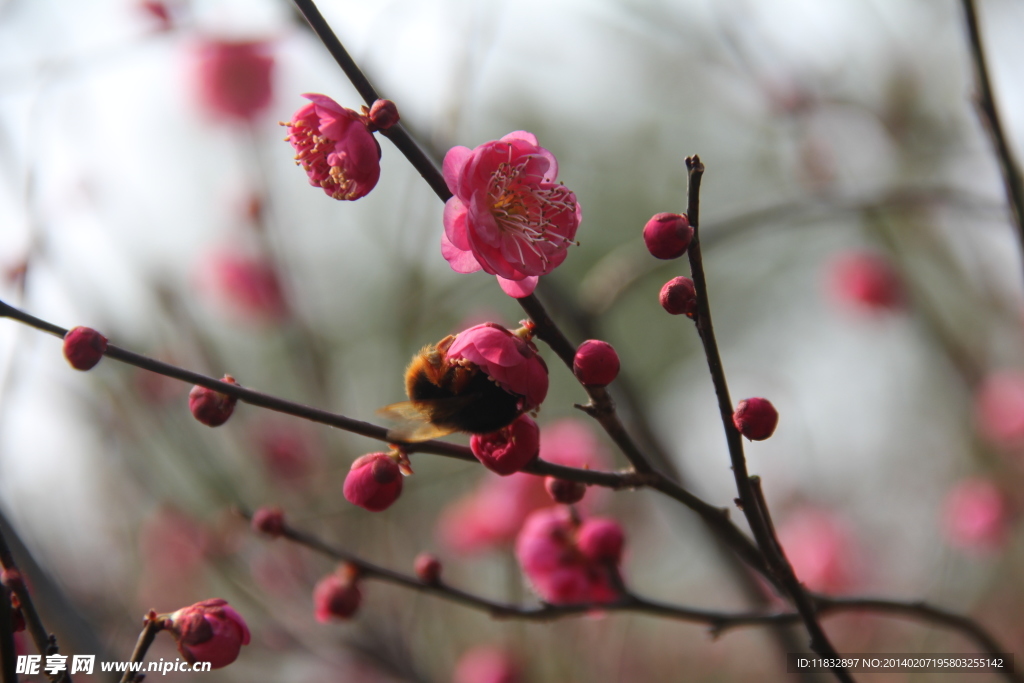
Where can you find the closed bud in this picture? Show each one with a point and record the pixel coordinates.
(269, 520)
(428, 568)
(679, 297)
(668, 235)
(209, 631)
(595, 364)
(210, 407)
(374, 482)
(755, 418)
(383, 114)
(564, 491)
(601, 540)
(84, 347)
(337, 595)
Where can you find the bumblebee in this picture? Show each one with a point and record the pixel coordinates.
(449, 396)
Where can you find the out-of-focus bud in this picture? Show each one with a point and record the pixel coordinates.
(383, 114)
(999, 408)
(564, 491)
(234, 78)
(374, 482)
(209, 631)
(866, 281)
(485, 664)
(509, 449)
(755, 418)
(977, 515)
(595, 364)
(679, 297)
(427, 567)
(668, 235)
(84, 347)
(269, 520)
(337, 595)
(210, 407)
(601, 540)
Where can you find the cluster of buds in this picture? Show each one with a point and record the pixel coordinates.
(569, 562)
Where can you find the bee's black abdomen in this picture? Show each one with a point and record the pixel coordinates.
(480, 408)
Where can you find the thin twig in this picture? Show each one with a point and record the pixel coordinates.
(153, 625)
(756, 517)
(716, 621)
(989, 114)
(46, 643)
(8, 656)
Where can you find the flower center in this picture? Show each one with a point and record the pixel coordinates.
(312, 150)
(529, 210)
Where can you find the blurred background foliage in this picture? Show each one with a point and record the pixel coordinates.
(829, 130)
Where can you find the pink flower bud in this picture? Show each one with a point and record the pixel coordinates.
(210, 407)
(679, 297)
(601, 540)
(977, 515)
(428, 568)
(234, 78)
(866, 281)
(336, 149)
(485, 665)
(337, 595)
(383, 114)
(269, 520)
(563, 491)
(595, 364)
(84, 347)
(755, 418)
(159, 12)
(246, 286)
(374, 482)
(209, 631)
(668, 235)
(509, 449)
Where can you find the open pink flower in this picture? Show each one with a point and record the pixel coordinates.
(558, 569)
(508, 359)
(234, 78)
(209, 631)
(508, 216)
(977, 515)
(336, 149)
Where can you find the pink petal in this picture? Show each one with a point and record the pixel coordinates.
(518, 289)
(454, 161)
(461, 261)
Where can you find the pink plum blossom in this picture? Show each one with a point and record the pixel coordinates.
(976, 515)
(374, 482)
(335, 147)
(509, 449)
(234, 78)
(209, 631)
(337, 595)
(507, 358)
(558, 569)
(508, 216)
(492, 515)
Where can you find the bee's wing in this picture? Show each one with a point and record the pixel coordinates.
(414, 418)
